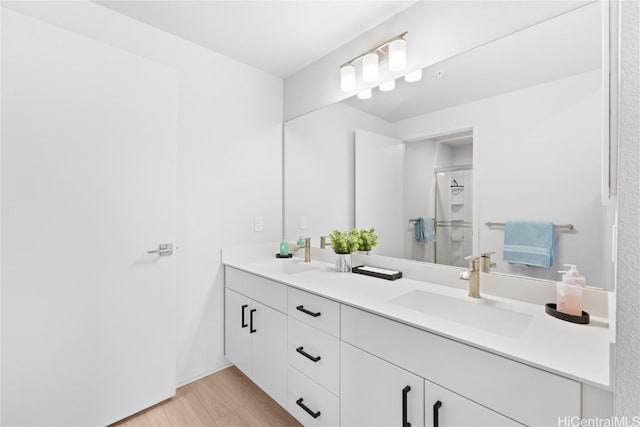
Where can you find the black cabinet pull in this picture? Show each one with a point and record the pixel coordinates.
(244, 324)
(307, 355)
(305, 311)
(436, 406)
(405, 391)
(307, 410)
(251, 330)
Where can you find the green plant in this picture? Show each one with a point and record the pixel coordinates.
(367, 239)
(344, 242)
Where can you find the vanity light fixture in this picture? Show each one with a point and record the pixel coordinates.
(393, 51)
(365, 94)
(397, 55)
(413, 77)
(370, 70)
(388, 86)
(348, 78)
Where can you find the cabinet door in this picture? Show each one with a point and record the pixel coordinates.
(446, 409)
(268, 330)
(236, 330)
(376, 393)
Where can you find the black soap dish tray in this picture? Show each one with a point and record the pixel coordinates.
(550, 308)
(284, 256)
(381, 273)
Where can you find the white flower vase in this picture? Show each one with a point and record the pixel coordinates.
(343, 263)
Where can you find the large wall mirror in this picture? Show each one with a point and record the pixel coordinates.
(514, 130)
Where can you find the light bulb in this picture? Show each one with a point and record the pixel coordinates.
(348, 78)
(388, 86)
(370, 67)
(397, 55)
(365, 94)
(413, 77)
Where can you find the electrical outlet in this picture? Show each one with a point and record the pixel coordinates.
(303, 222)
(258, 224)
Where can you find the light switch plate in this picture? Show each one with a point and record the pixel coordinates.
(258, 224)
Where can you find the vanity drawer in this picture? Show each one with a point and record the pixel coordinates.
(316, 311)
(528, 395)
(314, 398)
(316, 354)
(268, 292)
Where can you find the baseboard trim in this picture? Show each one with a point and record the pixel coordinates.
(205, 374)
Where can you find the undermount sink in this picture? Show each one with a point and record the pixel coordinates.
(476, 313)
(287, 266)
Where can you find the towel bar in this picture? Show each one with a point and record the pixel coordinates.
(559, 226)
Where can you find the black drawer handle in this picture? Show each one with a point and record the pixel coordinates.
(307, 410)
(251, 330)
(436, 406)
(405, 391)
(244, 324)
(307, 355)
(305, 311)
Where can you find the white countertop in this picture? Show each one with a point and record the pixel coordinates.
(579, 352)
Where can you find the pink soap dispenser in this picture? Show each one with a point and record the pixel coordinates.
(569, 291)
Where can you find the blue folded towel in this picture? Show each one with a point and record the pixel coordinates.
(425, 230)
(529, 243)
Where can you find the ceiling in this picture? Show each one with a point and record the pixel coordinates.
(279, 37)
(557, 48)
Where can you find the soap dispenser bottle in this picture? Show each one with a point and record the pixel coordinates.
(569, 291)
(284, 247)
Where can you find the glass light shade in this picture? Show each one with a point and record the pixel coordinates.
(413, 77)
(397, 55)
(348, 78)
(365, 94)
(370, 67)
(388, 86)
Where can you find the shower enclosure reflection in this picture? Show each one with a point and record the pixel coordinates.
(439, 189)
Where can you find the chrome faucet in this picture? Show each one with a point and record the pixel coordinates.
(473, 276)
(307, 249)
(323, 242)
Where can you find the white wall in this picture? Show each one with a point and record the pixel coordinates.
(550, 132)
(319, 169)
(437, 30)
(627, 354)
(462, 155)
(229, 163)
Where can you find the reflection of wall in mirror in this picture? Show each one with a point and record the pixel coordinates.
(539, 153)
(539, 159)
(319, 176)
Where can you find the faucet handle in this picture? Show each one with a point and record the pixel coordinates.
(473, 262)
(487, 254)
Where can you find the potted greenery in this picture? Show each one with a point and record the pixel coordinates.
(367, 239)
(343, 244)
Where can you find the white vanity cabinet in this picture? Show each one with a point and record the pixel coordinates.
(443, 408)
(332, 364)
(314, 359)
(376, 393)
(520, 392)
(255, 333)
